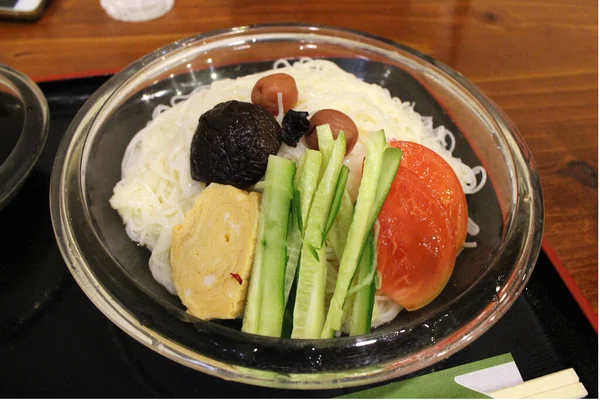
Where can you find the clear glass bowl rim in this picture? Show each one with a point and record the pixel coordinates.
(36, 124)
(129, 323)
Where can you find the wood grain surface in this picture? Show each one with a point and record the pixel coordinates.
(538, 59)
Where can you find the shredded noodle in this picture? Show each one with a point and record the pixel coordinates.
(156, 189)
(472, 228)
(279, 117)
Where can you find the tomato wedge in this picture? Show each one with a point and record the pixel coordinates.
(416, 247)
(442, 181)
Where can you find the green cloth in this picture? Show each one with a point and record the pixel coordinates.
(438, 384)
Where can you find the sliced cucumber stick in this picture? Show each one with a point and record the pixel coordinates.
(309, 308)
(325, 138)
(364, 299)
(340, 189)
(265, 303)
(361, 224)
(339, 231)
(389, 167)
(306, 185)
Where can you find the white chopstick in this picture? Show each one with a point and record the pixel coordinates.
(574, 391)
(563, 384)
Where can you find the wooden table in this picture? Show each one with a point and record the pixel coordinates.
(536, 58)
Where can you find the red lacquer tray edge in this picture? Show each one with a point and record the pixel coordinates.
(575, 290)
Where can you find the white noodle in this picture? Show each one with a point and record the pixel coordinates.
(385, 311)
(479, 169)
(279, 117)
(281, 63)
(156, 189)
(472, 228)
(159, 109)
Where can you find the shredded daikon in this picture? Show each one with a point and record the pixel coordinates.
(156, 189)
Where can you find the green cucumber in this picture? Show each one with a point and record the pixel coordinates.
(389, 167)
(265, 302)
(309, 308)
(362, 295)
(390, 161)
(306, 185)
(288, 315)
(336, 237)
(364, 298)
(340, 189)
(326, 142)
(361, 224)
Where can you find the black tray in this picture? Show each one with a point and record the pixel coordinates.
(54, 342)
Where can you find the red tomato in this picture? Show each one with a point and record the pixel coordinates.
(442, 181)
(416, 248)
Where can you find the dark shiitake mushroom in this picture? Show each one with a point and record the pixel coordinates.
(232, 144)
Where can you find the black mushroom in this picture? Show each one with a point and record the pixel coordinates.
(294, 125)
(232, 144)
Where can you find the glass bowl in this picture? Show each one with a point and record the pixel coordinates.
(24, 124)
(114, 273)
